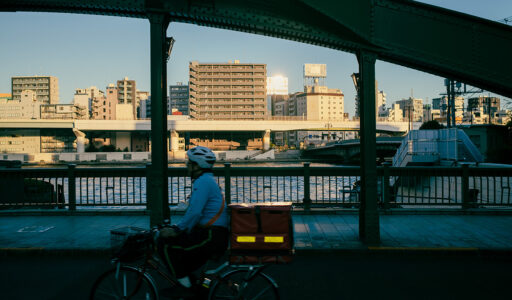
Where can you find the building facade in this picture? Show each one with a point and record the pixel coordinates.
(27, 107)
(178, 98)
(412, 109)
(45, 87)
(85, 98)
(63, 112)
(127, 95)
(227, 91)
(489, 105)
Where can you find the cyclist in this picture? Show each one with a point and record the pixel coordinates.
(203, 230)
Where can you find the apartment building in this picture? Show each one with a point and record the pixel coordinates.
(441, 104)
(318, 103)
(127, 96)
(45, 87)
(412, 109)
(85, 98)
(178, 98)
(489, 105)
(27, 107)
(63, 112)
(227, 91)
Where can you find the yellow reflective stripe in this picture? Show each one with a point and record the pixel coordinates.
(274, 239)
(246, 239)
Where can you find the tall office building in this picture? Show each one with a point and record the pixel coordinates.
(45, 87)
(127, 94)
(178, 98)
(227, 91)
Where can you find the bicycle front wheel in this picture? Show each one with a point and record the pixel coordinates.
(125, 283)
(235, 285)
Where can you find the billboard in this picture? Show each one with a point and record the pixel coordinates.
(315, 70)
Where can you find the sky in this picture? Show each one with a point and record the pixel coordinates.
(85, 50)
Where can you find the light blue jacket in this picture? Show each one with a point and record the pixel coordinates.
(205, 202)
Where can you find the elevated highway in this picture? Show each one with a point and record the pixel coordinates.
(187, 125)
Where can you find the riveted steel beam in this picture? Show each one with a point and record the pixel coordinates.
(369, 231)
(158, 195)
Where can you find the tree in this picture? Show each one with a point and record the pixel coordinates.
(431, 125)
(91, 148)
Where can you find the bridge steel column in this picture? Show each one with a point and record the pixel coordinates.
(369, 231)
(157, 181)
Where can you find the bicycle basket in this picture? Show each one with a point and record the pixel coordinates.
(129, 243)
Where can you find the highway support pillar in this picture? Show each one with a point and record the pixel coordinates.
(175, 141)
(157, 181)
(266, 140)
(369, 231)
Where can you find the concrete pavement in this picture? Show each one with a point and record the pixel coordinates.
(89, 232)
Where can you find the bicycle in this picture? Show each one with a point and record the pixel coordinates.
(138, 246)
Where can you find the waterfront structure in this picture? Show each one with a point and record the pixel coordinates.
(27, 107)
(412, 109)
(20, 141)
(227, 91)
(45, 87)
(178, 98)
(126, 97)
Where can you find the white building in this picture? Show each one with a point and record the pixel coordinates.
(395, 113)
(84, 98)
(27, 107)
(277, 85)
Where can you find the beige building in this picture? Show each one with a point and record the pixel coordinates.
(227, 91)
(20, 141)
(395, 113)
(412, 109)
(27, 107)
(127, 94)
(84, 98)
(63, 112)
(45, 87)
(319, 103)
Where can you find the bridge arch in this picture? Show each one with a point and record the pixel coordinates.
(403, 32)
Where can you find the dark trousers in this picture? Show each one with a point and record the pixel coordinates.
(187, 252)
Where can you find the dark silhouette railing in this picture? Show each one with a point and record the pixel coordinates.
(306, 186)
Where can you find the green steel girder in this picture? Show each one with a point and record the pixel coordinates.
(407, 33)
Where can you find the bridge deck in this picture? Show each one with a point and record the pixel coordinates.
(312, 232)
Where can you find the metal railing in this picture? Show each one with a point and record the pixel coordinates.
(410, 187)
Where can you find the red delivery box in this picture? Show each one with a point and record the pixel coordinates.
(261, 232)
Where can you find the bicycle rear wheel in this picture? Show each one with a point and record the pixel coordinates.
(128, 283)
(234, 285)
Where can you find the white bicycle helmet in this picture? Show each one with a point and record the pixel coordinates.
(202, 156)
